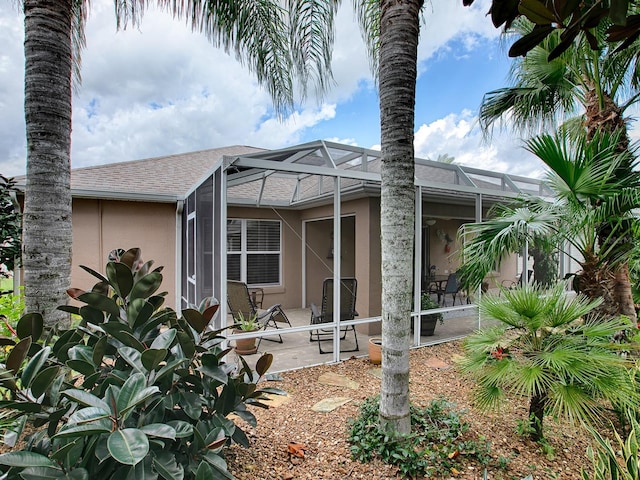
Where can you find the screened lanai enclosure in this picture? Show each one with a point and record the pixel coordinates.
(294, 224)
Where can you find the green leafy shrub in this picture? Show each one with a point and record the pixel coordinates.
(132, 392)
(435, 445)
(621, 461)
(11, 309)
(545, 351)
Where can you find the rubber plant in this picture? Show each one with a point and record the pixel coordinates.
(134, 391)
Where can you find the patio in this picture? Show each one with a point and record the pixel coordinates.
(297, 351)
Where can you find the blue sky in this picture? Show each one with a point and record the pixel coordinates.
(161, 89)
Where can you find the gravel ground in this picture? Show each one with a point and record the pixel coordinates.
(433, 375)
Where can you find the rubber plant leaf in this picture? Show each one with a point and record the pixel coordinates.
(120, 278)
(31, 325)
(128, 446)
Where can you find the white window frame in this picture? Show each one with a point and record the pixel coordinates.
(244, 252)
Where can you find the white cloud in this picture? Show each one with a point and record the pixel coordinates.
(459, 136)
(161, 89)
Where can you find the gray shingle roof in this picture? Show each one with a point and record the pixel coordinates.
(161, 178)
(172, 175)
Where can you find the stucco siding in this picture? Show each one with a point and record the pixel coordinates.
(100, 226)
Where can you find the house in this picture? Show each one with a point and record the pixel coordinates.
(282, 220)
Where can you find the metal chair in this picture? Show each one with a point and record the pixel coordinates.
(509, 284)
(241, 306)
(451, 288)
(348, 287)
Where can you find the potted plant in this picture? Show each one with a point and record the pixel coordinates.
(428, 321)
(246, 346)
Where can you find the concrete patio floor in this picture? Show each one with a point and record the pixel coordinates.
(297, 351)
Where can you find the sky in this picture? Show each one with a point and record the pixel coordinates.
(160, 89)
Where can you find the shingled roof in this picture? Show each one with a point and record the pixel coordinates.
(171, 176)
(162, 179)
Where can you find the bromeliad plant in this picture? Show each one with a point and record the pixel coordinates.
(134, 391)
(545, 351)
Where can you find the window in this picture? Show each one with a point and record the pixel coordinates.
(253, 251)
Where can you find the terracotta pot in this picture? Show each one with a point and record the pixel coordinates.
(245, 346)
(375, 350)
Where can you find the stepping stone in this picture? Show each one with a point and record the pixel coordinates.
(329, 404)
(376, 372)
(437, 364)
(337, 380)
(276, 400)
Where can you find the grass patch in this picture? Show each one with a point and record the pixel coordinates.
(6, 284)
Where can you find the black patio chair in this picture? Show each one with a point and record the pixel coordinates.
(348, 287)
(452, 288)
(510, 284)
(242, 306)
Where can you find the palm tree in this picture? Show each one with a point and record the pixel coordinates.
(544, 350)
(399, 32)
(258, 32)
(581, 176)
(47, 107)
(602, 84)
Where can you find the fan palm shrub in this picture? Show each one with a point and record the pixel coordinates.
(587, 197)
(588, 91)
(543, 349)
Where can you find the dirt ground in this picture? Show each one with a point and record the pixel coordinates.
(433, 375)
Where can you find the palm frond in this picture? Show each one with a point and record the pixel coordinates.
(493, 240)
(368, 15)
(311, 36)
(573, 403)
(260, 32)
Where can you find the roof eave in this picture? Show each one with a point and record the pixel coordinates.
(125, 196)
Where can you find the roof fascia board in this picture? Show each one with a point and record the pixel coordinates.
(130, 196)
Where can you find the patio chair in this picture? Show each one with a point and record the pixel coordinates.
(241, 306)
(510, 284)
(452, 288)
(348, 287)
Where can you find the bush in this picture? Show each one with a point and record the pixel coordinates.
(434, 447)
(132, 392)
(11, 309)
(621, 461)
(545, 351)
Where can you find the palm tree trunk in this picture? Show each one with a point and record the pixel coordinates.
(47, 212)
(399, 31)
(604, 115)
(536, 415)
(623, 294)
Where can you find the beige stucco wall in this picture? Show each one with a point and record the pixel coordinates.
(100, 226)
